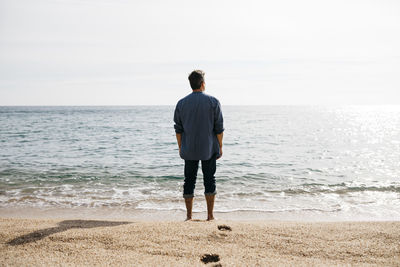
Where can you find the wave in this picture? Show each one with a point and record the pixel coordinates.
(338, 189)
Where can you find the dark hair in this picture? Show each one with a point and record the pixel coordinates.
(196, 78)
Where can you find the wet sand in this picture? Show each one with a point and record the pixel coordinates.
(36, 242)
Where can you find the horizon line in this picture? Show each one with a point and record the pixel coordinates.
(132, 105)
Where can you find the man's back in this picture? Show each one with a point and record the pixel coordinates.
(198, 118)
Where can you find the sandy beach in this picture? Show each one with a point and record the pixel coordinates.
(37, 242)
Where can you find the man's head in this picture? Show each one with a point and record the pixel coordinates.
(196, 79)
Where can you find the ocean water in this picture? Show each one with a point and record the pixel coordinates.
(325, 162)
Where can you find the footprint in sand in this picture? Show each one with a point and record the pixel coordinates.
(206, 258)
(224, 228)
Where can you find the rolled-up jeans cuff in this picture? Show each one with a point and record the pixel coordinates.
(210, 193)
(188, 195)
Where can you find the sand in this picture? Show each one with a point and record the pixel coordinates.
(52, 242)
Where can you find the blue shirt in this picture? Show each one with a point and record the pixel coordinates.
(198, 117)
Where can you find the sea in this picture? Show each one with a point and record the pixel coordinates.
(279, 162)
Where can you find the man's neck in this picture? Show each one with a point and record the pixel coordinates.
(198, 90)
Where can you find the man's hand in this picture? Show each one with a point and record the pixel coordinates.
(179, 139)
(220, 152)
(219, 137)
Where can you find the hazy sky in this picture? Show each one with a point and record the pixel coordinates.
(113, 52)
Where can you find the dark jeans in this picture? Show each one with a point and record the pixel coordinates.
(208, 167)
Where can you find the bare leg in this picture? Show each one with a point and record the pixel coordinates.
(210, 207)
(189, 205)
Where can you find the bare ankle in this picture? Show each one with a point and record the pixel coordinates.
(189, 205)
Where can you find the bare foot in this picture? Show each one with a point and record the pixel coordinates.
(188, 219)
(210, 219)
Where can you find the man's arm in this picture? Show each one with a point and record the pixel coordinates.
(220, 137)
(178, 128)
(219, 126)
(179, 140)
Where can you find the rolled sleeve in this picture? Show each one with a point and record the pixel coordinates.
(218, 119)
(178, 123)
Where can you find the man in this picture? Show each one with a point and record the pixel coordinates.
(199, 132)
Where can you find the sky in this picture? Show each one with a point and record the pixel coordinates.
(127, 52)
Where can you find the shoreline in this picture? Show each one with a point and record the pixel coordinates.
(117, 213)
(76, 242)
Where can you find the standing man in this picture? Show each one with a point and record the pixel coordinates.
(199, 131)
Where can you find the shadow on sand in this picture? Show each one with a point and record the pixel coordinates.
(61, 226)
